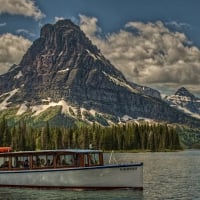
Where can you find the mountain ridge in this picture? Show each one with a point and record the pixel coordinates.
(63, 68)
(184, 100)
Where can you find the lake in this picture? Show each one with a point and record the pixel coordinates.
(173, 175)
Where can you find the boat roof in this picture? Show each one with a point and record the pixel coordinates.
(54, 151)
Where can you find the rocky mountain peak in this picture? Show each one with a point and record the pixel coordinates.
(63, 39)
(63, 68)
(63, 46)
(59, 26)
(63, 63)
(184, 92)
(185, 101)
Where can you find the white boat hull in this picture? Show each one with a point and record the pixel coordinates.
(98, 177)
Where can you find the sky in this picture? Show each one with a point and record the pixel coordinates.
(155, 43)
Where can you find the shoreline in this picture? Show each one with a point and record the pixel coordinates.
(143, 151)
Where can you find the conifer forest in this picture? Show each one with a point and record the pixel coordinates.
(131, 136)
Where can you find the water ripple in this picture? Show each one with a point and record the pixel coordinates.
(167, 176)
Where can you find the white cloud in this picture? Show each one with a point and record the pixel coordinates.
(12, 48)
(178, 25)
(25, 32)
(21, 7)
(58, 18)
(3, 24)
(89, 25)
(149, 53)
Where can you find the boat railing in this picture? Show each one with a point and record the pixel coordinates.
(114, 160)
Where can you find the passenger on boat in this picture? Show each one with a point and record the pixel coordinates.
(91, 161)
(48, 164)
(42, 163)
(38, 162)
(26, 165)
(17, 163)
(58, 163)
(5, 164)
(64, 162)
(34, 163)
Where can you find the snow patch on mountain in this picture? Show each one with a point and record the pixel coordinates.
(185, 101)
(23, 108)
(63, 70)
(178, 99)
(46, 100)
(92, 55)
(185, 110)
(38, 109)
(4, 104)
(60, 54)
(126, 118)
(67, 109)
(120, 82)
(18, 75)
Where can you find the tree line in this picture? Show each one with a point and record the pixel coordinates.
(131, 136)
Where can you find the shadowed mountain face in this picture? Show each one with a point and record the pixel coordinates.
(64, 65)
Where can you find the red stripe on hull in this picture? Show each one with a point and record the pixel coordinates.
(70, 188)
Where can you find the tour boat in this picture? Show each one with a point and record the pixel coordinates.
(66, 169)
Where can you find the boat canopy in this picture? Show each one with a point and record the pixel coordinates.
(61, 158)
(80, 151)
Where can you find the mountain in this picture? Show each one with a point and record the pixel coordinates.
(63, 77)
(146, 90)
(185, 101)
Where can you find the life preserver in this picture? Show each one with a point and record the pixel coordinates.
(5, 149)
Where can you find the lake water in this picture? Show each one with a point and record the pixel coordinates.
(174, 175)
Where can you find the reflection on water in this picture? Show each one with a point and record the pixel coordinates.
(29, 194)
(173, 175)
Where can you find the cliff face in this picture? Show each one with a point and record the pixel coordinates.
(63, 65)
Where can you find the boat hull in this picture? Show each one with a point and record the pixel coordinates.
(98, 177)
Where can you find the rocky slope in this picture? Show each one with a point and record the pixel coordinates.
(64, 69)
(146, 90)
(185, 101)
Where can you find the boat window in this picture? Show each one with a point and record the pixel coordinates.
(77, 159)
(86, 159)
(65, 160)
(93, 159)
(20, 161)
(40, 161)
(4, 162)
(49, 161)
